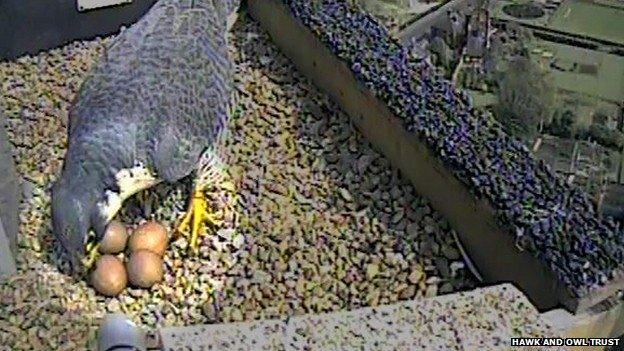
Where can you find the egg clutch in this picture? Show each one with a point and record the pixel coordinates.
(142, 249)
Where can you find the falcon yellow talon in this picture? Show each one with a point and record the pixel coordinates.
(197, 215)
(207, 207)
(92, 255)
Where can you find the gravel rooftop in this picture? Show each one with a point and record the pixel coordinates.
(326, 224)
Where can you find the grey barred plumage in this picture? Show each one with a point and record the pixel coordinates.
(157, 99)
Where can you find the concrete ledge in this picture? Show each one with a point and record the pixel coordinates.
(10, 198)
(7, 261)
(491, 247)
(483, 318)
(602, 324)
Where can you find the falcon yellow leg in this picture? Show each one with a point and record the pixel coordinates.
(207, 205)
(198, 214)
(92, 255)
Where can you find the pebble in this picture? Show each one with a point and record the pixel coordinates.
(431, 291)
(330, 252)
(450, 252)
(345, 194)
(371, 271)
(443, 267)
(416, 275)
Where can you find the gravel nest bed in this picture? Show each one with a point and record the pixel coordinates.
(326, 224)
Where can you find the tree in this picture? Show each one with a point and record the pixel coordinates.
(563, 125)
(444, 54)
(521, 37)
(526, 97)
(603, 136)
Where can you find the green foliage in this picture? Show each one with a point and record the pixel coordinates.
(601, 115)
(563, 125)
(443, 53)
(603, 136)
(526, 97)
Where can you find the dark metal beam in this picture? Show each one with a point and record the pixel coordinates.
(30, 26)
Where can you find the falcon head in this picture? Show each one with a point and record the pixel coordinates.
(74, 212)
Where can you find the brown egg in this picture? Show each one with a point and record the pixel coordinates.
(115, 238)
(150, 236)
(109, 277)
(145, 268)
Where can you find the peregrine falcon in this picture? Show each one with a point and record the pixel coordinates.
(152, 110)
